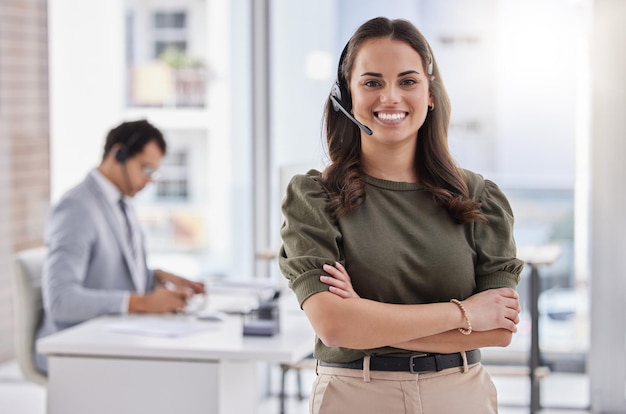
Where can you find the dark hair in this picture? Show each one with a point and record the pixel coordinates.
(134, 135)
(344, 178)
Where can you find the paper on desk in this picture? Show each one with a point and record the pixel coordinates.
(157, 327)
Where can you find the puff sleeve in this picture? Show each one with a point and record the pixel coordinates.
(494, 243)
(310, 236)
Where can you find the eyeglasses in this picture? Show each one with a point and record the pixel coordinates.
(150, 172)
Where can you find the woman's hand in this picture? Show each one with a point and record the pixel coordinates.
(494, 309)
(339, 281)
(488, 310)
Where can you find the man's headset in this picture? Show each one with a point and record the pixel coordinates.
(340, 95)
(123, 153)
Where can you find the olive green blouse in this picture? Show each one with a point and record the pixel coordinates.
(398, 246)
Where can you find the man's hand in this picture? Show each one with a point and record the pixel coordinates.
(180, 283)
(169, 296)
(160, 300)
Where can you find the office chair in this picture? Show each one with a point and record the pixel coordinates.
(28, 266)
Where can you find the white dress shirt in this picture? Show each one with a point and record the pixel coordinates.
(113, 196)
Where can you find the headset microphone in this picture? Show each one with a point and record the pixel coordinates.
(335, 97)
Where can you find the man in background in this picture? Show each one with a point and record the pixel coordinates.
(96, 261)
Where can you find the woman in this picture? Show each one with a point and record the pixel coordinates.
(404, 263)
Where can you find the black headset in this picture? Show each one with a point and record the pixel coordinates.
(339, 90)
(122, 154)
(340, 96)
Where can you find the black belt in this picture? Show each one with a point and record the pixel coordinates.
(413, 364)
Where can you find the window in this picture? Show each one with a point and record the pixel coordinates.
(173, 183)
(169, 33)
(166, 55)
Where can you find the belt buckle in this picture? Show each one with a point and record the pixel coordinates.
(412, 364)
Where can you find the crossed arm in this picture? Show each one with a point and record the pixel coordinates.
(341, 318)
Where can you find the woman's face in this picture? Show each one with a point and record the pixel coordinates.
(389, 89)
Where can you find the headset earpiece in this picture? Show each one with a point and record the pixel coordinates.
(340, 89)
(121, 155)
(340, 92)
(335, 92)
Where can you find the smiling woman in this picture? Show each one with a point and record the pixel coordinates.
(404, 263)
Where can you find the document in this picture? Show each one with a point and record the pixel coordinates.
(158, 327)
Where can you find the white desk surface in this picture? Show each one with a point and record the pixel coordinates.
(223, 340)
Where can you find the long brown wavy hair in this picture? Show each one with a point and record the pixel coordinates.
(344, 178)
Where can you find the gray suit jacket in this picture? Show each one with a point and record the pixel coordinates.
(87, 273)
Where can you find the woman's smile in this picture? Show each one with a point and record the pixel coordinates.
(390, 117)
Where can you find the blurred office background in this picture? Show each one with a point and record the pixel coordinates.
(238, 87)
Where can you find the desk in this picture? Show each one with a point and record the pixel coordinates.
(97, 371)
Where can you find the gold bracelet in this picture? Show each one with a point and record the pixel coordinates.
(469, 325)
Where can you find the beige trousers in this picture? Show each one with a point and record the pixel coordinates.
(451, 391)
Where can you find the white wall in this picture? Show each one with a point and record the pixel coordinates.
(298, 99)
(607, 357)
(538, 71)
(80, 78)
(298, 92)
